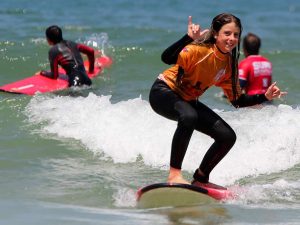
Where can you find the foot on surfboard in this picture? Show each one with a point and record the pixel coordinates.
(207, 185)
(216, 191)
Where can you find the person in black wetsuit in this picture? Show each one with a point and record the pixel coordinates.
(199, 60)
(67, 54)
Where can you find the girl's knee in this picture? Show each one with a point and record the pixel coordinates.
(188, 120)
(224, 133)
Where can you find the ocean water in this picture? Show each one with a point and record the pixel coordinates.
(79, 156)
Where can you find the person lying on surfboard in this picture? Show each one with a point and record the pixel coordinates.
(67, 54)
(202, 59)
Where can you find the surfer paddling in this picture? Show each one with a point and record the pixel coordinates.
(67, 54)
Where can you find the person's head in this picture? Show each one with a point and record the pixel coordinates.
(225, 31)
(251, 44)
(54, 34)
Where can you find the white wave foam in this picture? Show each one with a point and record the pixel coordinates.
(125, 198)
(280, 190)
(268, 138)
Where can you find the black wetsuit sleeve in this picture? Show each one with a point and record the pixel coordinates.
(90, 52)
(53, 59)
(170, 55)
(249, 100)
(243, 83)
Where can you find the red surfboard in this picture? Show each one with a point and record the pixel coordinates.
(40, 84)
(175, 194)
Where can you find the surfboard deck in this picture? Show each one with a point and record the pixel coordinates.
(173, 194)
(40, 84)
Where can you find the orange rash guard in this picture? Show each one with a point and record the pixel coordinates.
(203, 66)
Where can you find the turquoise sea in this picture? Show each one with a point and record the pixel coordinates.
(79, 156)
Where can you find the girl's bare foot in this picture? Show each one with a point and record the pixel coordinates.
(176, 177)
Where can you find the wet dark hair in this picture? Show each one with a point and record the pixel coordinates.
(54, 34)
(217, 23)
(251, 43)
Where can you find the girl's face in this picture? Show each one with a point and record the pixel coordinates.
(228, 37)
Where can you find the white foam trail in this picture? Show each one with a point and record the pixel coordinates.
(125, 198)
(268, 138)
(280, 190)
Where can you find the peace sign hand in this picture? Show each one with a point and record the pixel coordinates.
(274, 92)
(194, 30)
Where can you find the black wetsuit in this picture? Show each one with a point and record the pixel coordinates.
(194, 115)
(67, 55)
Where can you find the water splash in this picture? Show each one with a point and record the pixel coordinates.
(98, 41)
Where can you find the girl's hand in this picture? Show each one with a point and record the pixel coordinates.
(194, 30)
(274, 92)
